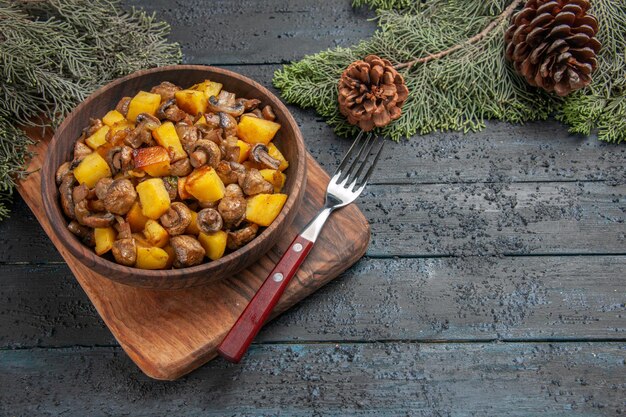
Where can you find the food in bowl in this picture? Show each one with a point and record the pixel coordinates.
(172, 177)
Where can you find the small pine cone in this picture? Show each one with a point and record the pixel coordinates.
(553, 44)
(371, 93)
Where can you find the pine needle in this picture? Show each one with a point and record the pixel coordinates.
(54, 53)
(471, 84)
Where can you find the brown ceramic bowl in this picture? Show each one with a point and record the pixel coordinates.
(288, 140)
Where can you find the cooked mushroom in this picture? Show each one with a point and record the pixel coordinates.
(232, 206)
(166, 90)
(212, 120)
(80, 151)
(64, 169)
(96, 206)
(170, 111)
(87, 218)
(187, 251)
(84, 233)
(214, 135)
(255, 113)
(208, 204)
(230, 149)
(171, 185)
(181, 168)
(149, 121)
(94, 126)
(249, 104)
(142, 133)
(102, 187)
(205, 152)
(122, 105)
(259, 153)
(120, 196)
(216, 106)
(120, 159)
(209, 220)
(268, 113)
(125, 251)
(188, 135)
(230, 172)
(80, 193)
(253, 183)
(118, 137)
(176, 219)
(228, 123)
(123, 228)
(67, 199)
(240, 237)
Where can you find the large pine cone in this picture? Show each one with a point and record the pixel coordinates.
(553, 44)
(371, 93)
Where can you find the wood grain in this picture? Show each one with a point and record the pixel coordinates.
(432, 220)
(329, 379)
(253, 31)
(168, 333)
(433, 299)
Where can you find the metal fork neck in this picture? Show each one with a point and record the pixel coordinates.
(313, 229)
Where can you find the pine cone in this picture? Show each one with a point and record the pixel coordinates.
(371, 93)
(553, 44)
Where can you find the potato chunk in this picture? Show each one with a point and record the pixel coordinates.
(193, 229)
(112, 118)
(92, 168)
(99, 138)
(191, 101)
(262, 209)
(151, 258)
(121, 125)
(274, 177)
(214, 244)
(166, 136)
(205, 185)
(209, 88)
(155, 160)
(154, 198)
(135, 218)
(244, 150)
(156, 234)
(182, 191)
(143, 102)
(254, 130)
(104, 238)
(273, 151)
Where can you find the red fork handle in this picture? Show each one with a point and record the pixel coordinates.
(238, 339)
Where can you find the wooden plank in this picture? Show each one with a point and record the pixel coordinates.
(251, 31)
(483, 219)
(460, 220)
(472, 298)
(504, 153)
(394, 379)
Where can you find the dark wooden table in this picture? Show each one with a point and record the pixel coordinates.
(494, 284)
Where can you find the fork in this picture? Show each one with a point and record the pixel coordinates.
(344, 187)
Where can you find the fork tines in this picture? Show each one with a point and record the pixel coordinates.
(352, 171)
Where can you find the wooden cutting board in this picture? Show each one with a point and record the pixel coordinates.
(169, 333)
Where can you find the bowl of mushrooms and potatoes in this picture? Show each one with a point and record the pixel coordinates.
(174, 177)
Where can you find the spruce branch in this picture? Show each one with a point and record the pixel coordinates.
(480, 35)
(54, 53)
(468, 81)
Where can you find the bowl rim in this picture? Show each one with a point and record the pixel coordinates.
(89, 257)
